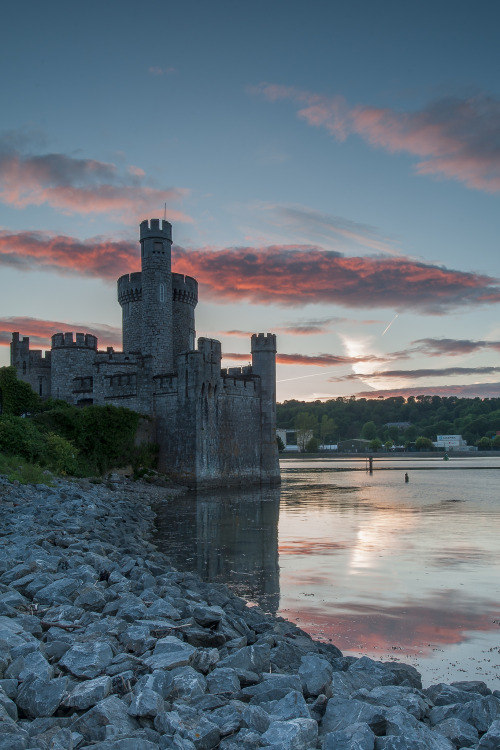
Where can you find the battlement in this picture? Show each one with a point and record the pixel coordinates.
(130, 288)
(151, 228)
(264, 342)
(78, 340)
(184, 289)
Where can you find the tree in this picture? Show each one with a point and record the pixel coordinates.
(375, 445)
(424, 443)
(312, 445)
(369, 431)
(388, 444)
(327, 429)
(495, 443)
(16, 397)
(281, 444)
(484, 444)
(306, 425)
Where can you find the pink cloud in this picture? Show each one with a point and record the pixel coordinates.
(81, 186)
(453, 138)
(40, 331)
(287, 275)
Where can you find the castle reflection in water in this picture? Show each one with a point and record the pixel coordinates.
(229, 536)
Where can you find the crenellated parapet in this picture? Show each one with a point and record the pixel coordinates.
(130, 288)
(184, 289)
(151, 228)
(71, 340)
(264, 342)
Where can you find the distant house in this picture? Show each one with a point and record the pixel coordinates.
(399, 425)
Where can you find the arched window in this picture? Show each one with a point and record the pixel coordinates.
(162, 292)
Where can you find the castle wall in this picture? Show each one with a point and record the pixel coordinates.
(33, 366)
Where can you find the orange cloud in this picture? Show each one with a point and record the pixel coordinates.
(319, 360)
(454, 138)
(40, 331)
(81, 186)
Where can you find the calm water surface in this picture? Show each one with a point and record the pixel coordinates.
(403, 571)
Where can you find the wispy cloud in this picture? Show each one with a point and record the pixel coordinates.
(452, 138)
(453, 347)
(475, 390)
(287, 275)
(423, 372)
(318, 360)
(40, 331)
(80, 186)
(96, 257)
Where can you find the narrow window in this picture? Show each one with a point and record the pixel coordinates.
(24, 368)
(162, 292)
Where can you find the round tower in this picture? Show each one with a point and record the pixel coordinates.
(130, 299)
(264, 365)
(72, 358)
(156, 244)
(184, 300)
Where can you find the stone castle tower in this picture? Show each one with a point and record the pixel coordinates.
(214, 426)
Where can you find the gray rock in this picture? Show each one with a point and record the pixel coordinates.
(315, 674)
(458, 732)
(272, 688)
(162, 608)
(480, 712)
(472, 686)
(87, 660)
(491, 740)
(146, 702)
(223, 680)
(341, 713)
(38, 697)
(160, 682)
(250, 658)
(356, 737)
(8, 704)
(188, 684)
(255, 719)
(377, 669)
(413, 740)
(137, 639)
(126, 743)
(395, 695)
(59, 590)
(170, 652)
(207, 616)
(112, 713)
(292, 706)
(227, 718)
(444, 695)
(88, 693)
(297, 734)
(33, 664)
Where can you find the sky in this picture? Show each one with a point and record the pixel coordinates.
(331, 171)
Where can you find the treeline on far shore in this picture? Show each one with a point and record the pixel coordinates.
(393, 421)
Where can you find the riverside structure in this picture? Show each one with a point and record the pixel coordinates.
(214, 426)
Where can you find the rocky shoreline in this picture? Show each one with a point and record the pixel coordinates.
(104, 645)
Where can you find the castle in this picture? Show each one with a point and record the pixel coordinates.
(214, 426)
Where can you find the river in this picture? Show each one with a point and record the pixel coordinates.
(396, 570)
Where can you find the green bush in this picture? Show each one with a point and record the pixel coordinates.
(16, 397)
(60, 455)
(20, 437)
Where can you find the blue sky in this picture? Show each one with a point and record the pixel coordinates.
(331, 171)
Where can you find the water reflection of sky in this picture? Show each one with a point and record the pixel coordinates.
(377, 566)
(392, 569)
